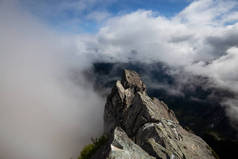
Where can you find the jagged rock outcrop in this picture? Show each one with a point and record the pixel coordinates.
(142, 127)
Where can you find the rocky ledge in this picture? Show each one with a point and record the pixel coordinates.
(140, 127)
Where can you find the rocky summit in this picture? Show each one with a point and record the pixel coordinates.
(141, 127)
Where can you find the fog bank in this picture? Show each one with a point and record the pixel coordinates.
(43, 112)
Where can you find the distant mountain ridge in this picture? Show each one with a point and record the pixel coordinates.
(199, 107)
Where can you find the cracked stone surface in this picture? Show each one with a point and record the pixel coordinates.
(143, 127)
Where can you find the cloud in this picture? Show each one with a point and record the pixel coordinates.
(201, 40)
(141, 38)
(222, 69)
(206, 12)
(43, 108)
(232, 110)
(98, 16)
(47, 108)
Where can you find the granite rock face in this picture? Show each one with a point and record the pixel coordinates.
(142, 127)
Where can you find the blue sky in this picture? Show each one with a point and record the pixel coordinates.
(79, 16)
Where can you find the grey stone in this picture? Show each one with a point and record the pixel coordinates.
(122, 147)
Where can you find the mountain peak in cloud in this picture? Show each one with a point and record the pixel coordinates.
(142, 127)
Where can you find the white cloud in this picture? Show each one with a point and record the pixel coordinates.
(140, 35)
(198, 39)
(145, 37)
(221, 69)
(206, 12)
(46, 111)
